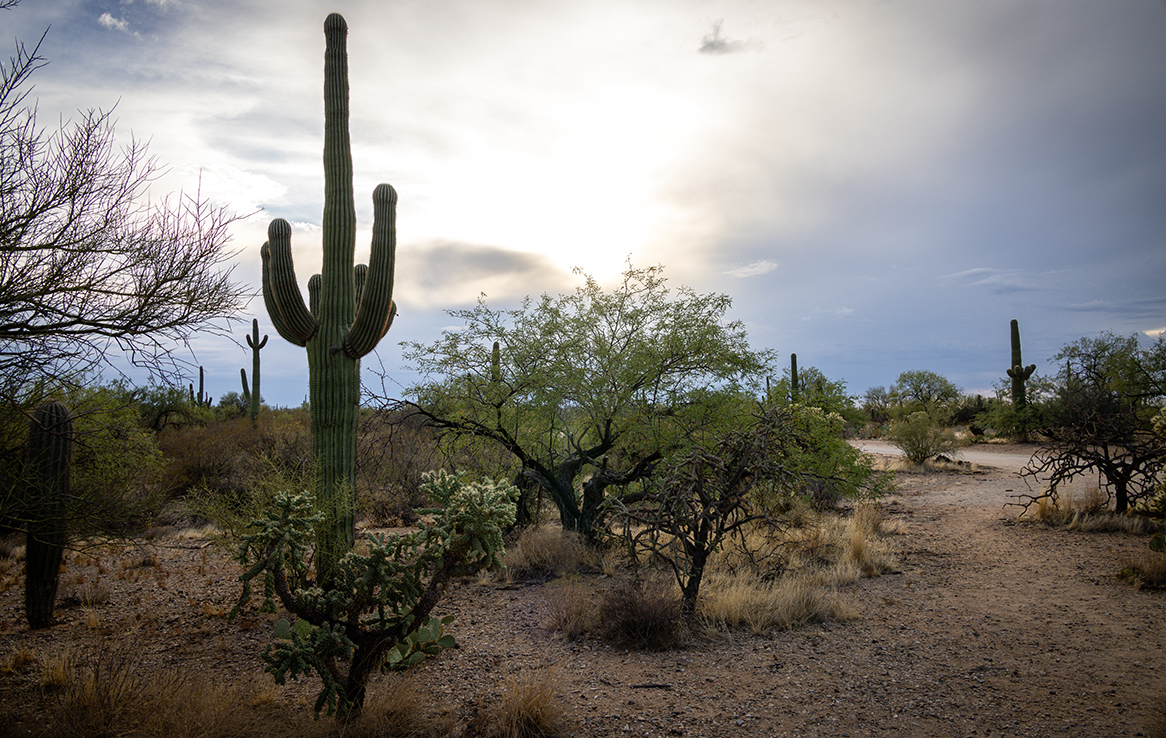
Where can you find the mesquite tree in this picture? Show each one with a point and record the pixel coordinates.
(350, 309)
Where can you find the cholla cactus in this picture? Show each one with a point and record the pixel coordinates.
(377, 611)
(350, 308)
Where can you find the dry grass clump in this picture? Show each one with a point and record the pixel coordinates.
(570, 610)
(641, 614)
(1087, 513)
(395, 708)
(1147, 570)
(546, 551)
(792, 578)
(527, 708)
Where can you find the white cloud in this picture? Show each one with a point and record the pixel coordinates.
(115, 24)
(755, 269)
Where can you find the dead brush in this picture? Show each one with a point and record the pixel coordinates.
(1146, 570)
(642, 614)
(569, 607)
(112, 696)
(527, 708)
(1087, 513)
(546, 551)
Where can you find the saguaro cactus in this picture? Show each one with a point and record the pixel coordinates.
(200, 400)
(350, 309)
(1018, 372)
(50, 459)
(794, 389)
(251, 395)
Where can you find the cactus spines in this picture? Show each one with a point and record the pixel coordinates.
(1018, 372)
(350, 308)
(251, 395)
(794, 390)
(50, 459)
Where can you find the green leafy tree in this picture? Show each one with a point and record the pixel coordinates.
(876, 403)
(590, 389)
(924, 390)
(715, 491)
(1110, 390)
(920, 437)
(377, 611)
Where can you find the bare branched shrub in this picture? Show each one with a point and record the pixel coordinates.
(643, 614)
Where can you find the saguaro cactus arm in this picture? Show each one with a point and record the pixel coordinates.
(376, 309)
(281, 296)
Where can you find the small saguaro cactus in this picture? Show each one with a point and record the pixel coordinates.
(349, 309)
(251, 394)
(200, 400)
(1018, 372)
(794, 389)
(50, 464)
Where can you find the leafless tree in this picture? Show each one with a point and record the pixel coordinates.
(91, 271)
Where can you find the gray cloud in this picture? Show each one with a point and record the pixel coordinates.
(450, 273)
(715, 43)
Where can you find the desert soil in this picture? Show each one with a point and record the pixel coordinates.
(988, 628)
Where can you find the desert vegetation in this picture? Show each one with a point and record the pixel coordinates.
(623, 458)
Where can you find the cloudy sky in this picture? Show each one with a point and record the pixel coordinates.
(880, 185)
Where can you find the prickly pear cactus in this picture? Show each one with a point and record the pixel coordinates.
(50, 460)
(350, 308)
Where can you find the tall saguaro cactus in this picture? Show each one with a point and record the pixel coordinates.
(1017, 371)
(251, 395)
(349, 311)
(50, 459)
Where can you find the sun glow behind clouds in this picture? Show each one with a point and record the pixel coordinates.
(587, 196)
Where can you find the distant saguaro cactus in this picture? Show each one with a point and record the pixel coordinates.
(1018, 372)
(50, 464)
(251, 395)
(350, 309)
(200, 400)
(794, 389)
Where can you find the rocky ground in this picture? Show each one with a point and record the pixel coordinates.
(988, 628)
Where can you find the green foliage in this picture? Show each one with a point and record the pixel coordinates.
(350, 310)
(814, 389)
(375, 613)
(50, 457)
(1158, 543)
(714, 492)
(1109, 394)
(589, 389)
(926, 391)
(920, 437)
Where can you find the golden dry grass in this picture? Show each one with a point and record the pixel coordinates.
(546, 551)
(1087, 512)
(528, 707)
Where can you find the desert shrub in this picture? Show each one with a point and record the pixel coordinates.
(569, 607)
(546, 551)
(1147, 569)
(643, 614)
(920, 438)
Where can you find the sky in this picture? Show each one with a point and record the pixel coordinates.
(879, 185)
